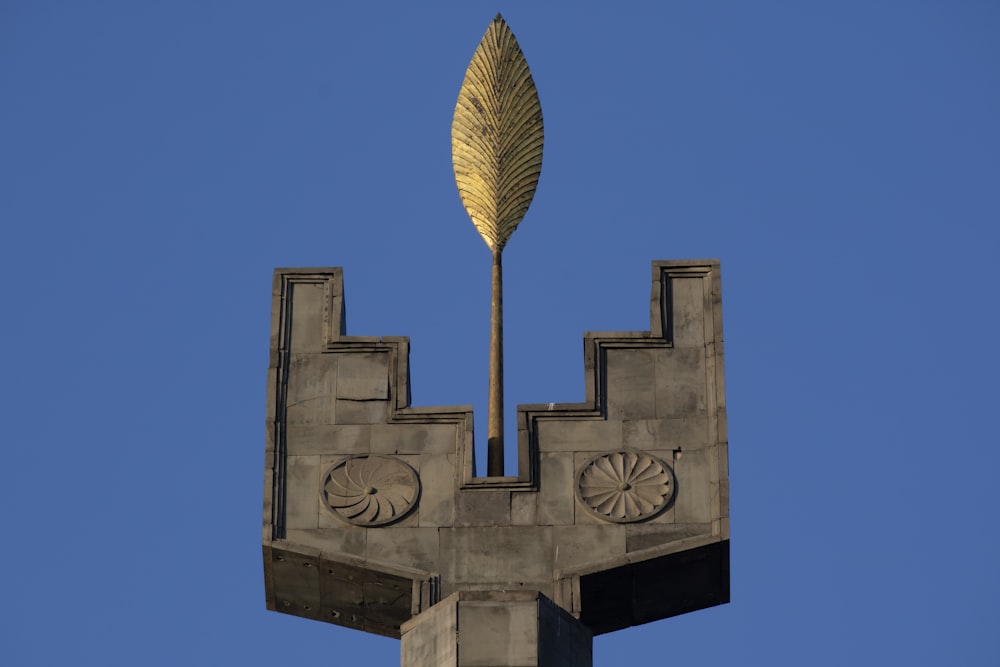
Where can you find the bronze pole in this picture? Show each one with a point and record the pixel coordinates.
(494, 454)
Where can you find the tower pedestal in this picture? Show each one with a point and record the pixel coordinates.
(495, 629)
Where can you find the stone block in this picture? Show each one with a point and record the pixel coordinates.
(494, 634)
(724, 498)
(431, 639)
(689, 314)
(361, 412)
(383, 612)
(563, 641)
(681, 383)
(693, 500)
(555, 492)
(363, 376)
(362, 598)
(524, 455)
(271, 408)
(302, 492)
(344, 539)
(580, 435)
(484, 557)
(306, 439)
(680, 433)
(575, 546)
(308, 301)
(312, 379)
(496, 629)
(407, 547)
(414, 438)
(647, 590)
(296, 583)
(647, 536)
(437, 490)
(631, 389)
(721, 426)
(342, 588)
(523, 508)
(483, 508)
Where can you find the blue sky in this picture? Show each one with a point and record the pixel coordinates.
(158, 160)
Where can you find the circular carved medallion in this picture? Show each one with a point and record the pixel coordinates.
(370, 490)
(625, 486)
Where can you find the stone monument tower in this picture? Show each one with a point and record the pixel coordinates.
(374, 517)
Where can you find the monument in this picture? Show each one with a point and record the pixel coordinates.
(374, 517)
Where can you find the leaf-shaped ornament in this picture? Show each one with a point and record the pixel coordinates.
(497, 136)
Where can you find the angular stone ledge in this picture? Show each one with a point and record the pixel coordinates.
(655, 589)
(358, 593)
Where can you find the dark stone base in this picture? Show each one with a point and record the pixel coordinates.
(654, 589)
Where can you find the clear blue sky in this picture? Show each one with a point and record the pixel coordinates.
(158, 160)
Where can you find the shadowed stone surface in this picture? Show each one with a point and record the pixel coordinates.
(496, 629)
(370, 550)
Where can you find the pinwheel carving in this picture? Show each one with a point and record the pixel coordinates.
(625, 486)
(370, 490)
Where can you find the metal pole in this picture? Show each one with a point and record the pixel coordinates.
(494, 458)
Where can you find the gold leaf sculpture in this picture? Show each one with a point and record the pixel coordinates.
(496, 150)
(496, 136)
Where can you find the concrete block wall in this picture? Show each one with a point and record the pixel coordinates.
(654, 401)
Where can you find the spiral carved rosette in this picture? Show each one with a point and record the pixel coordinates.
(625, 486)
(370, 490)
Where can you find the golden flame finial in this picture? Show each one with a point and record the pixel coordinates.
(496, 150)
(497, 136)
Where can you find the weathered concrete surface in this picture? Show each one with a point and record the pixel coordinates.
(356, 544)
(496, 629)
